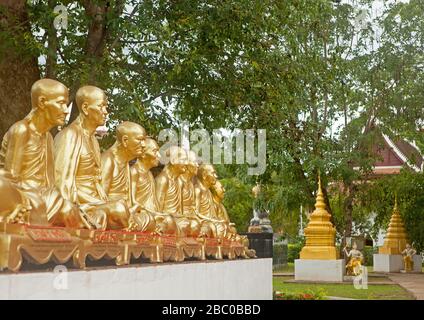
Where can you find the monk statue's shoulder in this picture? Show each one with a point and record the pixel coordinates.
(20, 128)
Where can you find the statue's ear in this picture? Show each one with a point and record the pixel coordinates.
(84, 108)
(41, 102)
(124, 140)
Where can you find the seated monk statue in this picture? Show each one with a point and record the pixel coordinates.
(356, 258)
(408, 257)
(116, 175)
(78, 162)
(188, 197)
(145, 190)
(27, 154)
(218, 193)
(169, 188)
(205, 206)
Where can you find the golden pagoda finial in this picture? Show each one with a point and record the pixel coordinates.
(395, 208)
(320, 203)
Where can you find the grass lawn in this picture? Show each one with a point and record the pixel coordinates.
(374, 292)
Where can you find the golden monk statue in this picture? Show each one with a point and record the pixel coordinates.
(144, 187)
(169, 188)
(193, 226)
(356, 258)
(408, 257)
(78, 162)
(116, 175)
(218, 193)
(205, 205)
(27, 154)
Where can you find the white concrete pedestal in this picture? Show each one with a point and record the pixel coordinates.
(227, 280)
(319, 270)
(387, 262)
(394, 263)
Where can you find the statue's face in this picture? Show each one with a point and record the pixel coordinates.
(178, 159)
(55, 106)
(135, 142)
(152, 154)
(408, 246)
(210, 176)
(95, 108)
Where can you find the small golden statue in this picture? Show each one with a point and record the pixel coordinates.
(205, 205)
(218, 193)
(116, 176)
(355, 260)
(408, 257)
(144, 188)
(191, 221)
(169, 187)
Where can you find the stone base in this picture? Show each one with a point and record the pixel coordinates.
(261, 243)
(232, 279)
(319, 270)
(387, 262)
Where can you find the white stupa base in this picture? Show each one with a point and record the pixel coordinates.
(387, 262)
(319, 270)
(228, 280)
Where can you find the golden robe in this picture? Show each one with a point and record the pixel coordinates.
(28, 156)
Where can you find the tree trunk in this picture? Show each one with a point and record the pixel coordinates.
(18, 67)
(94, 46)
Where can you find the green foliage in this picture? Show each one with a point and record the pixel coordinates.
(409, 188)
(319, 294)
(238, 201)
(293, 251)
(280, 254)
(368, 255)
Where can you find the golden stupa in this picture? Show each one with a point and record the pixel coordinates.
(396, 238)
(320, 233)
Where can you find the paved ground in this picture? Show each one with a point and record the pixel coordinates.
(414, 283)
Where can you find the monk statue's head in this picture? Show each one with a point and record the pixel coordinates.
(132, 137)
(49, 98)
(177, 159)
(207, 174)
(151, 155)
(218, 190)
(192, 163)
(92, 104)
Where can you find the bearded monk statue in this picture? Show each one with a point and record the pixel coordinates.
(144, 187)
(169, 188)
(116, 175)
(27, 154)
(205, 205)
(78, 162)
